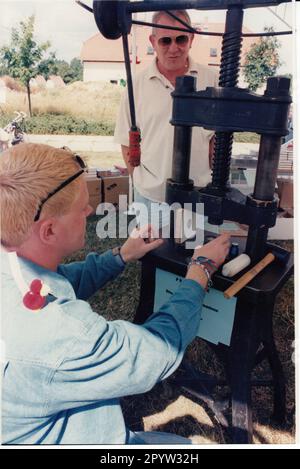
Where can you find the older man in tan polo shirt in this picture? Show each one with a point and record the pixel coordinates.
(153, 101)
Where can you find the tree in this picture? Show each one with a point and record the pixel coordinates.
(65, 71)
(58, 67)
(261, 61)
(68, 72)
(3, 70)
(48, 66)
(24, 58)
(77, 69)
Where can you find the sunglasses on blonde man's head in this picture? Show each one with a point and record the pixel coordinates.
(181, 40)
(63, 184)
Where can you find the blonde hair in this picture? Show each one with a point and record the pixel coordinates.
(156, 16)
(28, 172)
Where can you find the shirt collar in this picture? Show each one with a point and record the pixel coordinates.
(153, 71)
(59, 286)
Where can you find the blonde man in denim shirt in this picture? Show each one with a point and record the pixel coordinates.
(65, 366)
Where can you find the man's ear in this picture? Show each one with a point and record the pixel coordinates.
(152, 40)
(48, 231)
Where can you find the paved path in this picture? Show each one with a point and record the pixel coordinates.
(95, 143)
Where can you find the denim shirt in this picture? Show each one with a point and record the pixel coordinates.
(65, 367)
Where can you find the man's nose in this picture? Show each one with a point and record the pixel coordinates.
(173, 45)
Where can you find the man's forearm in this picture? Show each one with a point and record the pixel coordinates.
(87, 277)
(125, 151)
(178, 319)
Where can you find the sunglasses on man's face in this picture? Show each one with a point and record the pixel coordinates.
(181, 40)
(63, 184)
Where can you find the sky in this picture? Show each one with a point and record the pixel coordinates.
(67, 25)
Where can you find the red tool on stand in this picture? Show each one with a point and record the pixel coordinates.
(134, 153)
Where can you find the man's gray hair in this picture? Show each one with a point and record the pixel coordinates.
(181, 13)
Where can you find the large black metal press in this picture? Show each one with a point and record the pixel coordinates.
(225, 109)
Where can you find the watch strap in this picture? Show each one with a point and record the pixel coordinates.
(116, 251)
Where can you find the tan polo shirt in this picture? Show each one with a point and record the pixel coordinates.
(153, 104)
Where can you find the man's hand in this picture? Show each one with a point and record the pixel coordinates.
(216, 250)
(140, 242)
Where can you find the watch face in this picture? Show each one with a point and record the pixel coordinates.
(201, 259)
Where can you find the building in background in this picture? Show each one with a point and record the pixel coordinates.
(103, 59)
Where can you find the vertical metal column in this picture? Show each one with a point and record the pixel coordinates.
(182, 138)
(229, 73)
(266, 173)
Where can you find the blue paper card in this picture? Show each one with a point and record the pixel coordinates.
(217, 314)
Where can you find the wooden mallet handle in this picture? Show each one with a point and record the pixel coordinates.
(248, 276)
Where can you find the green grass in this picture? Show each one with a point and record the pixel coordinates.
(102, 159)
(246, 137)
(168, 408)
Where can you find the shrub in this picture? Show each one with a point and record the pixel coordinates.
(61, 124)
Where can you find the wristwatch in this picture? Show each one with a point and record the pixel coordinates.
(117, 253)
(207, 265)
